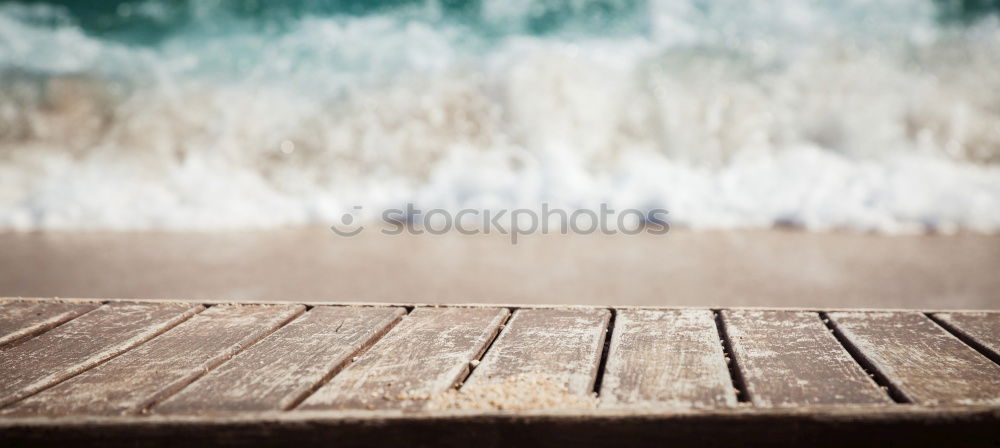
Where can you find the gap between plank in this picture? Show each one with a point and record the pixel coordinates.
(210, 365)
(735, 374)
(346, 362)
(502, 328)
(168, 327)
(965, 338)
(44, 329)
(866, 364)
(603, 363)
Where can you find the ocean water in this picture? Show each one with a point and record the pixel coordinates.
(825, 114)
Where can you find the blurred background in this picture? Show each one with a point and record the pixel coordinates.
(811, 153)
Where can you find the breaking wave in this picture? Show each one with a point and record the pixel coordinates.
(838, 114)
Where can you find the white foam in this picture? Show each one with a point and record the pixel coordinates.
(820, 115)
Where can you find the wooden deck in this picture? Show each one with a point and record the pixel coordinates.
(144, 373)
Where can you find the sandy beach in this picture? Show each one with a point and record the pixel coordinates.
(725, 268)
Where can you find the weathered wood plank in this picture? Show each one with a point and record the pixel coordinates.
(21, 320)
(426, 353)
(881, 427)
(923, 361)
(284, 368)
(789, 358)
(82, 343)
(135, 380)
(542, 358)
(666, 358)
(980, 329)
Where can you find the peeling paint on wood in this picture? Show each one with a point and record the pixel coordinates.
(132, 382)
(427, 352)
(283, 369)
(21, 320)
(928, 365)
(666, 359)
(790, 359)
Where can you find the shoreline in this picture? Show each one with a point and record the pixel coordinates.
(771, 268)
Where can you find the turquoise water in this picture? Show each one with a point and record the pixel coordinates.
(151, 21)
(224, 114)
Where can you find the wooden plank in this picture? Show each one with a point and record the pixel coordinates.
(82, 343)
(135, 380)
(789, 358)
(666, 358)
(426, 353)
(869, 426)
(925, 363)
(542, 359)
(23, 319)
(285, 367)
(980, 330)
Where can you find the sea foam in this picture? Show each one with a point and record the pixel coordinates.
(821, 115)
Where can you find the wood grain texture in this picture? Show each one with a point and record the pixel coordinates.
(135, 380)
(900, 426)
(666, 358)
(979, 329)
(562, 345)
(923, 361)
(285, 367)
(789, 358)
(21, 320)
(433, 354)
(82, 343)
(427, 352)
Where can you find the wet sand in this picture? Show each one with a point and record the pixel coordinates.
(731, 268)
